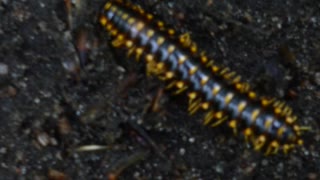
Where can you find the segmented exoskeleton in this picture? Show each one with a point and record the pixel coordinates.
(175, 59)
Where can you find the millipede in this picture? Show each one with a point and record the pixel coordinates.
(266, 123)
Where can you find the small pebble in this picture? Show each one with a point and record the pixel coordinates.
(192, 140)
(3, 150)
(4, 70)
(219, 169)
(43, 139)
(182, 151)
(36, 100)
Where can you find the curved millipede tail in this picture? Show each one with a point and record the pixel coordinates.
(265, 122)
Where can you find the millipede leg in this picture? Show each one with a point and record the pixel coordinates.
(219, 121)
(194, 106)
(208, 117)
(259, 142)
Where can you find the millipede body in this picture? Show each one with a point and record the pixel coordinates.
(267, 123)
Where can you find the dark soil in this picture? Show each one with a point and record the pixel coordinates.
(72, 107)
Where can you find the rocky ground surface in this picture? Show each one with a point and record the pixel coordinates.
(72, 107)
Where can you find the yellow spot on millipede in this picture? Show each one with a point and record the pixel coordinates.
(255, 114)
(131, 21)
(205, 105)
(180, 84)
(149, 16)
(182, 59)
(171, 48)
(268, 123)
(233, 125)
(113, 8)
(107, 6)
(192, 95)
(129, 44)
(169, 75)
(193, 70)
(219, 115)
(171, 32)
(216, 90)
(247, 134)
(149, 58)
(204, 59)
(193, 48)
(160, 40)
(103, 20)
(252, 95)
(277, 110)
(215, 69)
(160, 66)
(242, 105)
(228, 98)
(160, 24)
(114, 32)
(125, 16)
(139, 26)
(290, 120)
(150, 33)
(109, 27)
(204, 80)
(300, 142)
